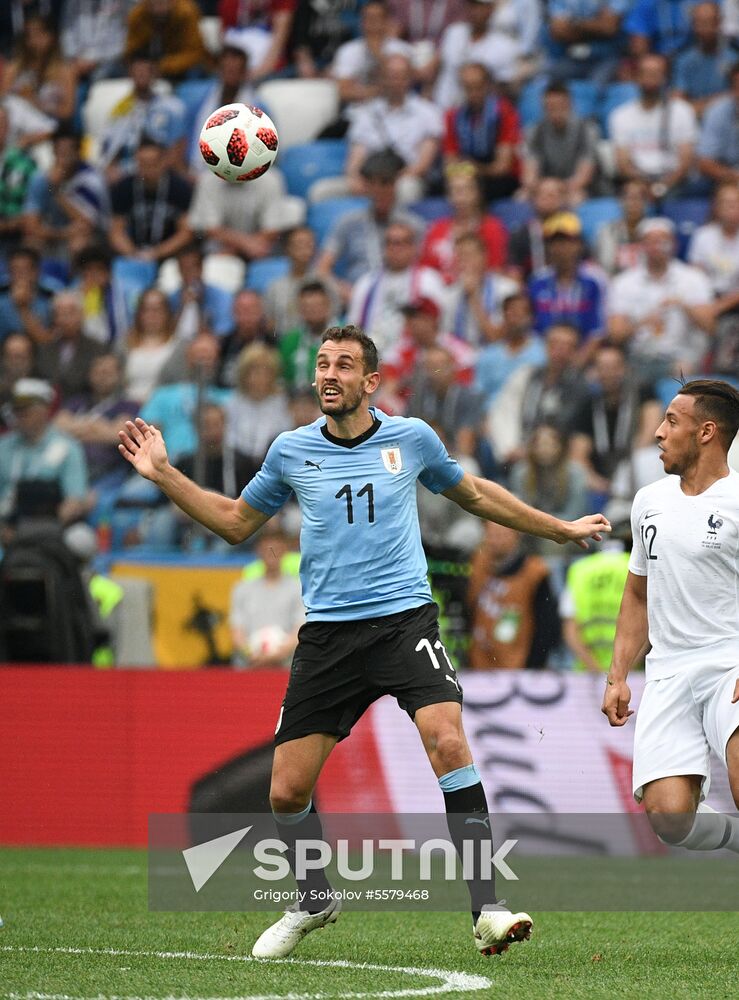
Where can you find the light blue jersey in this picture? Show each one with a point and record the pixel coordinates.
(360, 543)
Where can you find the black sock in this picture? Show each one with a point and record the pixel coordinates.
(462, 806)
(315, 885)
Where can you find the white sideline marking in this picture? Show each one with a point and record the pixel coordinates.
(451, 982)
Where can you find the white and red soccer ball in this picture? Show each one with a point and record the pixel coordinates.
(238, 143)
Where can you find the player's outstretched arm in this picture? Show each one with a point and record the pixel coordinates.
(632, 638)
(142, 445)
(494, 503)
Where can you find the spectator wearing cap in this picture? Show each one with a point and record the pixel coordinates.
(66, 206)
(701, 72)
(401, 368)
(282, 297)
(526, 246)
(25, 298)
(586, 38)
(299, 347)
(561, 145)
(718, 145)
(378, 296)
(150, 208)
(399, 119)
(66, 359)
(473, 39)
(144, 111)
(36, 450)
(473, 307)
(654, 135)
(355, 244)
(465, 194)
(484, 129)
(568, 290)
(656, 309)
(170, 31)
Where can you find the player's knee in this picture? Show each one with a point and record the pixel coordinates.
(449, 747)
(288, 796)
(671, 828)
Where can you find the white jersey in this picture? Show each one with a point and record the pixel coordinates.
(687, 547)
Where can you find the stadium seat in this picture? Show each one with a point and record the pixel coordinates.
(101, 99)
(262, 273)
(301, 109)
(585, 97)
(303, 165)
(430, 209)
(615, 94)
(687, 214)
(530, 108)
(211, 32)
(512, 213)
(134, 277)
(284, 213)
(225, 271)
(595, 213)
(324, 215)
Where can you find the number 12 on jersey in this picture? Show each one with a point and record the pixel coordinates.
(368, 491)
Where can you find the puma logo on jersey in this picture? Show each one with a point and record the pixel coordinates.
(473, 819)
(316, 465)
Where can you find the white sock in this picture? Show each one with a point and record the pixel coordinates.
(712, 831)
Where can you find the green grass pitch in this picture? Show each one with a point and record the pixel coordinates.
(76, 925)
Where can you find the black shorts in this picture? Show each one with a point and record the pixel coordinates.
(340, 668)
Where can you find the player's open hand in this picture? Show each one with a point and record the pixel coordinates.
(591, 526)
(616, 703)
(143, 446)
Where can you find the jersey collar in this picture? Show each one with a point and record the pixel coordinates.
(352, 442)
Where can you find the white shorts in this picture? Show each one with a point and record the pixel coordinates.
(680, 720)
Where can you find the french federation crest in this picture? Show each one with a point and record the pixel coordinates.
(392, 459)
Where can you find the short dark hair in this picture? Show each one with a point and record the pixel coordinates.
(30, 253)
(357, 334)
(557, 88)
(509, 300)
(385, 165)
(718, 401)
(93, 253)
(612, 345)
(313, 288)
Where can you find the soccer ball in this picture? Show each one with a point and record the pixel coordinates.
(266, 641)
(238, 143)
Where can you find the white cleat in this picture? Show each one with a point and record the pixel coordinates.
(497, 928)
(282, 938)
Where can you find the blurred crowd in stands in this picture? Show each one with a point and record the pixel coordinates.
(531, 206)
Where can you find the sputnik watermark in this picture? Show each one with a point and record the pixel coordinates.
(479, 861)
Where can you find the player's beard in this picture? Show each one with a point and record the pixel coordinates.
(682, 464)
(349, 403)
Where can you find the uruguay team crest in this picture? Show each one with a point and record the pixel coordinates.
(392, 459)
